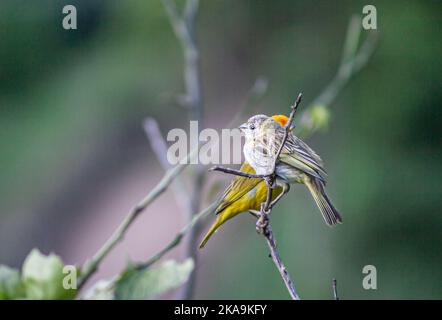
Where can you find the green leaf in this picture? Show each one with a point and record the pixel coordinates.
(147, 283)
(11, 286)
(43, 277)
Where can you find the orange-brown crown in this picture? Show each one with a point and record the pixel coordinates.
(281, 119)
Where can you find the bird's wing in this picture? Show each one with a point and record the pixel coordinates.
(238, 188)
(299, 155)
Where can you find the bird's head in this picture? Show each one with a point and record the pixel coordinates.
(253, 125)
(260, 124)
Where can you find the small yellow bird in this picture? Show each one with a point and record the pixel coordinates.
(243, 194)
(297, 163)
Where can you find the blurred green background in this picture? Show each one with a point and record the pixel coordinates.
(74, 158)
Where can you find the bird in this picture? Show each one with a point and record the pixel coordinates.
(243, 194)
(297, 163)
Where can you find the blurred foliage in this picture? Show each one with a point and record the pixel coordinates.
(68, 97)
(142, 283)
(41, 278)
(137, 284)
(10, 284)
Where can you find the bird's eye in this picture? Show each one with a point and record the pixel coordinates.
(252, 127)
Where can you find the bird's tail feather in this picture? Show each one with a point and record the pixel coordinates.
(329, 212)
(219, 221)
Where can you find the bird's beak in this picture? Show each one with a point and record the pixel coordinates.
(243, 127)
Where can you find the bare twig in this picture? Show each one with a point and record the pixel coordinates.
(268, 234)
(178, 237)
(335, 289)
(288, 125)
(184, 28)
(239, 173)
(159, 147)
(352, 61)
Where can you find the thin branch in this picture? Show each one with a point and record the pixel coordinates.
(190, 11)
(352, 61)
(179, 236)
(239, 173)
(159, 147)
(178, 24)
(184, 28)
(335, 289)
(91, 265)
(268, 234)
(288, 125)
(351, 42)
